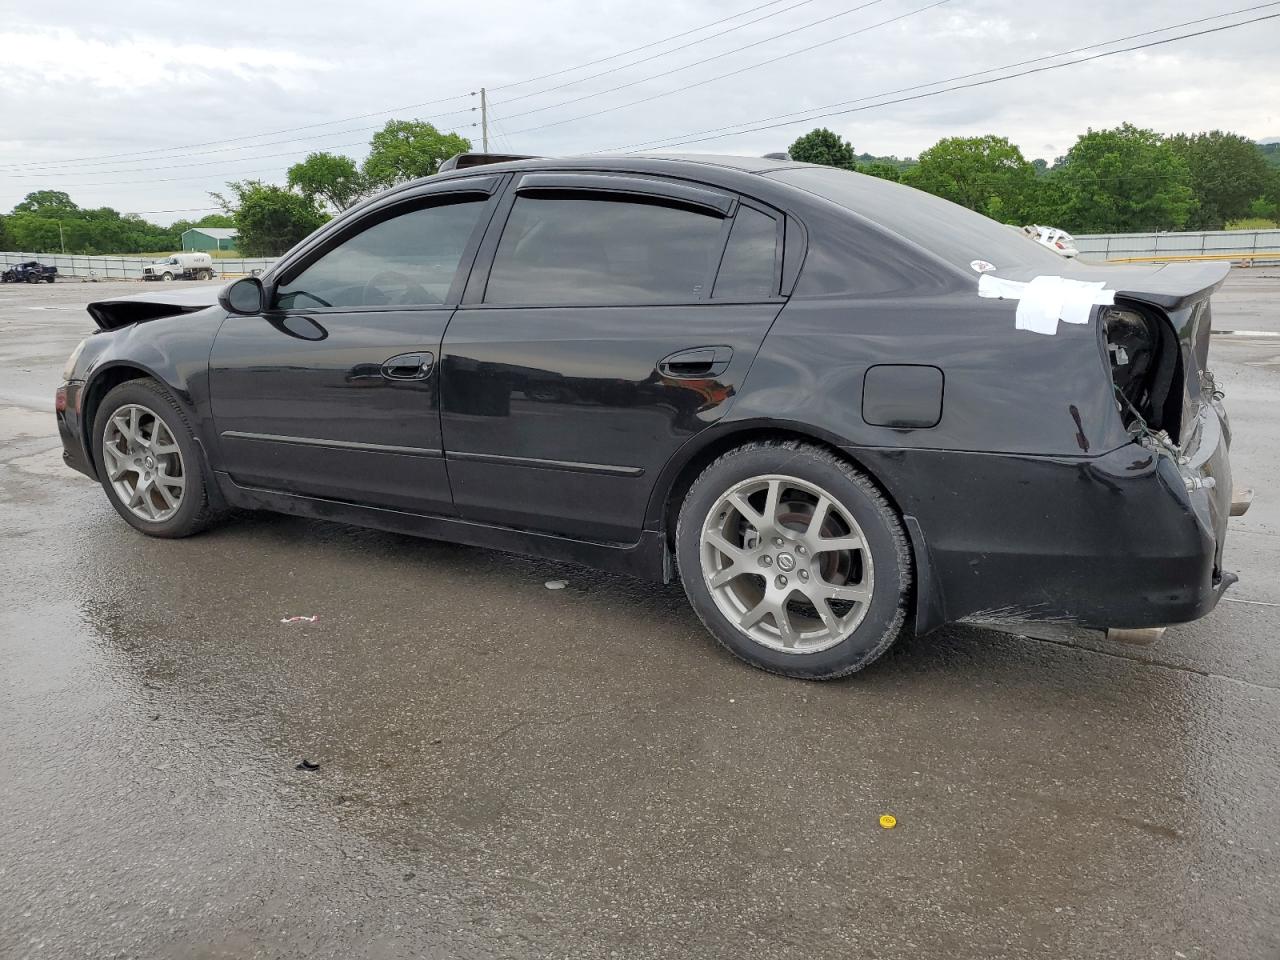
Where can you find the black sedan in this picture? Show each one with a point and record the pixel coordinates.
(838, 409)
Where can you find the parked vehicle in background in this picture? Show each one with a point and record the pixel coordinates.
(180, 266)
(726, 370)
(1059, 241)
(33, 271)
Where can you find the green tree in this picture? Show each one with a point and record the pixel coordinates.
(32, 233)
(885, 171)
(334, 179)
(987, 174)
(269, 219)
(46, 203)
(1228, 172)
(825, 147)
(1123, 180)
(215, 220)
(408, 149)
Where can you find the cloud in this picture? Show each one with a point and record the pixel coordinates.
(164, 81)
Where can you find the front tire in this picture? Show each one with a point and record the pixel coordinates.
(794, 560)
(149, 462)
(167, 276)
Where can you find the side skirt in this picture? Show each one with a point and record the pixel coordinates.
(645, 558)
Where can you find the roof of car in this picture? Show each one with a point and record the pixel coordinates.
(617, 161)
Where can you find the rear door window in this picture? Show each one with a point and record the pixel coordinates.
(749, 268)
(590, 250)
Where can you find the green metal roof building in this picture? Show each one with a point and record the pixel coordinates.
(209, 238)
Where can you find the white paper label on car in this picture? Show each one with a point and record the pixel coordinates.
(1045, 300)
(982, 266)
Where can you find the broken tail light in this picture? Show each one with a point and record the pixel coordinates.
(1143, 356)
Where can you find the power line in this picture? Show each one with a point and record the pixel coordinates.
(665, 53)
(644, 144)
(695, 138)
(46, 174)
(733, 73)
(414, 106)
(718, 56)
(45, 171)
(645, 46)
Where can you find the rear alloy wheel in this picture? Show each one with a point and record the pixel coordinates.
(794, 560)
(149, 463)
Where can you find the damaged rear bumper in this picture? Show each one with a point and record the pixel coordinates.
(1131, 539)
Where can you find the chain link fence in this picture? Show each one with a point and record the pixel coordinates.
(86, 266)
(1237, 245)
(1257, 246)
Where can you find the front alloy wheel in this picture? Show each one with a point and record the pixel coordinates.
(143, 463)
(794, 560)
(148, 461)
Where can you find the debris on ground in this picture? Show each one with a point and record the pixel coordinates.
(888, 821)
(305, 764)
(299, 619)
(556, 584)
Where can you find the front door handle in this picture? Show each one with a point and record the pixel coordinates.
(409, 366)
(696, 363)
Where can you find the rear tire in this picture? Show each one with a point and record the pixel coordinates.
(794, 560)
(149, 462)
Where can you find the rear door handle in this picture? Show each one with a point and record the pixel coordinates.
(409, 366)
(697, 362)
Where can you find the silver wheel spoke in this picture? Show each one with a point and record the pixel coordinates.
(749, 513)
(723, 576)
(828, 615)
(165, 495)
(819, 517)
(736, 554)
(782, 619)
(755, 614)
(827, 544)
(852, 591)
(771, 503)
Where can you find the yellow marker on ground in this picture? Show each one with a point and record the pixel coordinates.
(888, 821)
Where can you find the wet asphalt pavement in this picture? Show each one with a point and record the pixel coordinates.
(511, 771)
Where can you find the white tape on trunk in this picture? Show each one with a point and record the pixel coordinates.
(1045, 300)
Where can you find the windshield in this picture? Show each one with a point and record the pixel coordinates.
(955, 233)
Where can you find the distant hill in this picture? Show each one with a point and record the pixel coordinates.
(1271, 150)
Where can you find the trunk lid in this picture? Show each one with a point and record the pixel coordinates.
(1177, 296)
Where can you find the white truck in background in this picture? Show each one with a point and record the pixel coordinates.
(180, 266)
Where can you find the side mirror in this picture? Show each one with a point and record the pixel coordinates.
(245, 296)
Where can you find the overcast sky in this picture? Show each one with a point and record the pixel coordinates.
(152, 86)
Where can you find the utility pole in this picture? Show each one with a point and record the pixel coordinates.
(484, 121)
(62, 243)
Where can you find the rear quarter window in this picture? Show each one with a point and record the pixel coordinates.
(749, 268)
